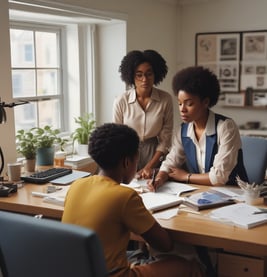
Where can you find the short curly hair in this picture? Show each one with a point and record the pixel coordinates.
(199, 81)
(134, 58)
(111, 142)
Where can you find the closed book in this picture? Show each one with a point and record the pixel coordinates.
(208, 199)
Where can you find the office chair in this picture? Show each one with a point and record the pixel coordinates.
(41, 247)
(255, 158)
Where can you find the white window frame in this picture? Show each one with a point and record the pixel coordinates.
(46, 28)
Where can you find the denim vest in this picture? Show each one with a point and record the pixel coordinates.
(211, 151)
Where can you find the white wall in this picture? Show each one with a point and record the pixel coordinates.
(7, 131)
(223, 16)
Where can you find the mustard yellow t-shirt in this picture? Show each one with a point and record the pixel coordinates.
(112, 211)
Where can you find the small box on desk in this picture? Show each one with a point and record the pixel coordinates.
(76, 161)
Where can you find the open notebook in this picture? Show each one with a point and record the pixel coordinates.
(156, 201)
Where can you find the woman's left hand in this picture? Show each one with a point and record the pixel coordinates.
(178, 174)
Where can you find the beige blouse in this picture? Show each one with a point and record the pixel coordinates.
(155, 121)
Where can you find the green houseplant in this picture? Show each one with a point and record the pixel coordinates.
(82, 133)
(46, 139)
(39, 143)
(26, 146)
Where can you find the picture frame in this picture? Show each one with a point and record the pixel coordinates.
(220, 52)
(259, 99)
(254, 46)
(238, 59)
(235, 99)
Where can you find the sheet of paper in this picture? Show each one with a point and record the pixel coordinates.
(166, 214)
(235, 193)
(239, 214)
(175, 188)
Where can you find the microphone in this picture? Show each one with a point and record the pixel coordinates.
(4, 105)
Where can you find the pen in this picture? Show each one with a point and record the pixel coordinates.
(153, 177)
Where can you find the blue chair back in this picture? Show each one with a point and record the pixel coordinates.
(40, 247)
(255, 158)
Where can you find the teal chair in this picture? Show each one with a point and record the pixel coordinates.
(255, 158)
(47, 248)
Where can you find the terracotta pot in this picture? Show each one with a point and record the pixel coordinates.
(29, 165)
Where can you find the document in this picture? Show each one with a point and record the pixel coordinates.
(240, 215)
(174, 188)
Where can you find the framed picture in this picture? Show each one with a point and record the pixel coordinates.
(235, 99)
(254, 46)
(216, 47)
(239, 60)
(220, 52)
(259, 99)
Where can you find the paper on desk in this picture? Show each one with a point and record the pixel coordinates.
(175, 188)
(57, 197)
(168, 187)
(241, 215)
(167, 214)
(234, 192)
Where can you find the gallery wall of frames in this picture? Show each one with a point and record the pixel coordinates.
(239, 59)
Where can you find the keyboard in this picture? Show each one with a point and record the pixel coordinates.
(46, 176)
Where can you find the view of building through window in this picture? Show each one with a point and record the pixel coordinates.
(35, 61)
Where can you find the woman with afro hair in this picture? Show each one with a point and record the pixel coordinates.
(145, 108)
(207, 148)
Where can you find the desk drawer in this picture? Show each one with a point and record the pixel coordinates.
(234, 266)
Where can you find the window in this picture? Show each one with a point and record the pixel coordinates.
(36, 75)
(73, 78)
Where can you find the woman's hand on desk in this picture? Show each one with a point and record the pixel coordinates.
(178, 174)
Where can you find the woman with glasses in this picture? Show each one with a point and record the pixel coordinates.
(146, 108)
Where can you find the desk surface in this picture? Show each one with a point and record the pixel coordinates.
(186, 227)
(24, 202)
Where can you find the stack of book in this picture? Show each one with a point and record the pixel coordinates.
(76, 161)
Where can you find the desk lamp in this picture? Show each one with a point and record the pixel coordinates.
(3, 119)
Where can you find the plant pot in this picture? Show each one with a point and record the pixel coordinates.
(29, 165)
(45, 156)
(82, 150)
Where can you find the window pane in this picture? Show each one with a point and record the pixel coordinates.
(49, 113)
(47, 82)
(26, 116)
(46, 49)
(23, 83)
(22, 48)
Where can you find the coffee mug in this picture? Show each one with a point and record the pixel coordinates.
(14, 171)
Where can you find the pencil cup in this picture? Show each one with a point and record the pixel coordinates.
(253, 198)
(14, 171)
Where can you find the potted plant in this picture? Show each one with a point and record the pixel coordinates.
(81, 134)
(46, 139)
(26, 146)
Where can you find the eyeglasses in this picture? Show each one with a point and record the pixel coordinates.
(140, 75)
